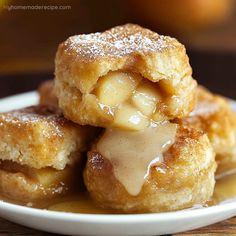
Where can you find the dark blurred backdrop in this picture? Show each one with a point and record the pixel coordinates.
(30, 32)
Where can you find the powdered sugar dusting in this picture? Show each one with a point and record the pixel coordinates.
(47, 117)
(118, 41)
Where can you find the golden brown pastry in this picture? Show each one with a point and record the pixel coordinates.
(40, 136)
(39, 152)
(182, 177)
(46, 93)
(214, 116)
(123, 77)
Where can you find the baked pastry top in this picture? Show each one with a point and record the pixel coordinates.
(40, 136)
(97, 74)
(121, 41)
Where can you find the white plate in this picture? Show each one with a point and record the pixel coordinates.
(90, 224)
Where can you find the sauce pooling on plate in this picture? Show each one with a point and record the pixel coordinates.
(81, 202)
(225, 190)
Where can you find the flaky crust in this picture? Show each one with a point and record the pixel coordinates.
(40, 136)
(214, 116)
(81, 60)
(185, 178)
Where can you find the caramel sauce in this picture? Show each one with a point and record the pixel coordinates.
(132, 153)
(80, 203)
(225, 190)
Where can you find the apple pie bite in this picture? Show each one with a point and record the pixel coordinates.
(40, 153)
(166, 168)
(134, 82)
(214, 116)
(124, 77)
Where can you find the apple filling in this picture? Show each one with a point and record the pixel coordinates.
(132, 100)
(24, 183)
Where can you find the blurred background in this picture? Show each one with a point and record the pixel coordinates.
(31, 30)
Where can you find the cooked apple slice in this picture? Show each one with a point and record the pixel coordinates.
(116, 87)
(146, 98)
(127, 117)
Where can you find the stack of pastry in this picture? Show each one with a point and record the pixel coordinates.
(158, 132)
(40, 153)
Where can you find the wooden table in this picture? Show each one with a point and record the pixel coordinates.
(226, 227)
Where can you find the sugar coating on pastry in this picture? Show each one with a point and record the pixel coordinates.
(26, 184)
(118, 42)
(183, 178)
(40, 136)
(214, 116)
(47, 94)
(125, 70)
